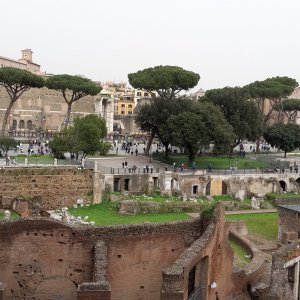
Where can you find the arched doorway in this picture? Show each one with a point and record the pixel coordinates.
(56, 287)
(282, 185)
(14, 124)
(224, 188)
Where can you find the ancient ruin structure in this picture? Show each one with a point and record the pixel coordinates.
(41, 258)
(44, 259)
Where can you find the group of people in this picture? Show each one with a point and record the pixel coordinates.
(147, 168)
(131, 169)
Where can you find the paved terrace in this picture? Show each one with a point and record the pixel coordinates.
(113, 165)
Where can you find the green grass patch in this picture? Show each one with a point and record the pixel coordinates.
(263, 225)
(106, 214)
(241, 256)
(35, 159)
(281, 195)
(216, 162)
(13, 215)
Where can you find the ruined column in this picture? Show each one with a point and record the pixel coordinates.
(99, 288)
(97, 187)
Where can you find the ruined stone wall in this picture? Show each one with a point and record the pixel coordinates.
(46, 259)
(280, 286)
(55, 186)
(288, 222)
(213, 248)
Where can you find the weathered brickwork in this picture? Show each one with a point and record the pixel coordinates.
(289, 222)
(43, 257)
(281, 282)
(55, 186)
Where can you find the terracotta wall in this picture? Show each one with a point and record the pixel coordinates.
(42, 257)
(44, 260)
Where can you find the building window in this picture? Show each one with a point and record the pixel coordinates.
(29, 125)
(139, 94)
(14, 124)
(130, 106)
(122, 105)
(22, 124)
(130, 112)
(123, 112)
(195, 189)
(146, 94)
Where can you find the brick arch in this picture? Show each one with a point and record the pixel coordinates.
(56, 287)
(283, 185)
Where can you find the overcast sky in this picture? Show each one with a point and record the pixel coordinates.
(227, 42)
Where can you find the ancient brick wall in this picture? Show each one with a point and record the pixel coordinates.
(135, 264)
(55, 186)
(42, 258)
(281, 281)
(289, 221)
(211, 257)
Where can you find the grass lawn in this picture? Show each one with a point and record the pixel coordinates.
(216, 162)
(42, 159)
(241, 255)
(106, 214)
(263, 225)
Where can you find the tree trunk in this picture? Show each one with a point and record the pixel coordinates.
(257, 146)
(285, 153)
(149, 142)
(166, 145)
(68, 115)
(191, 154)
(6, 115)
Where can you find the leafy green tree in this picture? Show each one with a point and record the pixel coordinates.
(154, 115)
(290, 108)
(167, 81)
(197, 128)
(283, 136)
(84, 137)
(16, 82)
(72, 88)
(59, 145)
(7, 143)
(275, 90)
(89, 131)
(241, 113)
